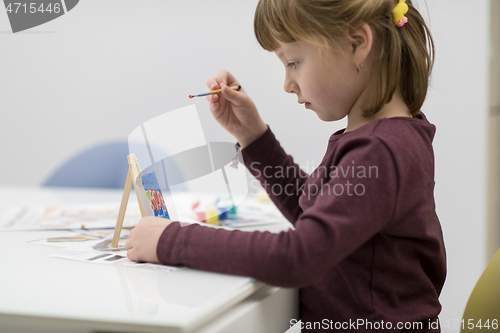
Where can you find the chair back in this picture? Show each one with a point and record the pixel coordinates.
(102, 166)
(483, 308)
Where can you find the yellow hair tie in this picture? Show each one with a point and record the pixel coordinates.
(399, 13)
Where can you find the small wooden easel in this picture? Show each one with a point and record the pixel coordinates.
(133, 173)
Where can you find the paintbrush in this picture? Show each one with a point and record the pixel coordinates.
(213, 92)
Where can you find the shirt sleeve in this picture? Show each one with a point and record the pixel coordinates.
(334, 226)
(267, 161)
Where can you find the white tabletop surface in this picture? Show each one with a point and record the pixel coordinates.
(34, 285)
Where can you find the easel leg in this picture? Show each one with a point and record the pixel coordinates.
(135, 170)
(123, 209)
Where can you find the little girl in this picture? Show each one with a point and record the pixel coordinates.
(367, 250)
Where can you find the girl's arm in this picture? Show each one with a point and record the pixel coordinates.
(282, 179)
(263, 156)
(327, 232)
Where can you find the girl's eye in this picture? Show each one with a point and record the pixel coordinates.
(292, 64)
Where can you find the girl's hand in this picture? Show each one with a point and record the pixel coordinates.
(234, 110)
(143, 239)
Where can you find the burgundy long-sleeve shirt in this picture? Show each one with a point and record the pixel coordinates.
(367, 248)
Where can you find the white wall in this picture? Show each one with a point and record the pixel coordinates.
(107, 66)
(458, 106)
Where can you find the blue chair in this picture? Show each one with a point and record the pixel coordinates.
(102, 166)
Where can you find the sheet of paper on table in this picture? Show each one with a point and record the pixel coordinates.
(66, 217)
(78, 236)
(106, 258)
(97, 251)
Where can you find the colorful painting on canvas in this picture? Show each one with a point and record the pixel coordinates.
(155, 197)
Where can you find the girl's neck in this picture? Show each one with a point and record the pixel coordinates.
(395, 108)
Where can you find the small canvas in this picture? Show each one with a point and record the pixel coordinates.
(153, 196)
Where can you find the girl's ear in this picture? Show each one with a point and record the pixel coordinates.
(362, 41)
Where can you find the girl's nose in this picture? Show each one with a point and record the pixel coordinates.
(290, 86)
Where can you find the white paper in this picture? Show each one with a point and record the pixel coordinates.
(106, 258)
(85, 252)
(100, 233)
(66, 217)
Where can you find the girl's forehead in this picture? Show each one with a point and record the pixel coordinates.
(300, 48)
(285, 48)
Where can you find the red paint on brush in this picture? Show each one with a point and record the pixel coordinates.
(191, 96)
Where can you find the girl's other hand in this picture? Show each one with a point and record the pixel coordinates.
(143, 239)
(234, 110)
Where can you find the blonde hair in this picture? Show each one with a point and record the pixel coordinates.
(403, 56)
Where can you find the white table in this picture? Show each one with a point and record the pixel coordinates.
(43, 294)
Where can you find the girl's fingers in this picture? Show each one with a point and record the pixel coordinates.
(214, 102)
(131, 255)
(213, 98)
(214, 106)
(223, 76)
(212, 83)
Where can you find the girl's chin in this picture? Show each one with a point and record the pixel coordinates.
(327, 117)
